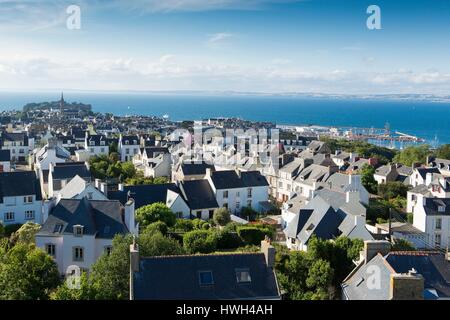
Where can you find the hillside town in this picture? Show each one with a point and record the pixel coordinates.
(145, 208)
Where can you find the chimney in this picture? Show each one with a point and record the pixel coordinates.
(269, 252)
(352, 196)
(104, 188)
(129, 216)
(134, 265)
(406, 286)
(97, 183)
(120, 187)
(208, 172)
(428, 178)
(46, 208)
(373, 247)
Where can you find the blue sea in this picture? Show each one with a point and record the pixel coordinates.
(428, 120)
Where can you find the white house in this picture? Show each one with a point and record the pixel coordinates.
(21, 199)
(78, 231)
(235, 190)
(432, 216)
(128, 147)
(50, 153)
(96, 144)
(19, 144)
(154, 162)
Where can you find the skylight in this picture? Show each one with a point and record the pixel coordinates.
(205, 278)
(58, 228)
(243, 275)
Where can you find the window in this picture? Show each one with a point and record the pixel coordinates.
(127, 151)
(91, 143)
(29, 215)
(249, 203)
(28, 199)
(9, 216)
(89, 195)
(102, 143)
(108, 250)
(238, 194)
(225, 194)
(78, 254)
(249, 192)
(77, 230)
(437, 240)
(238, 205)
(102, 150)
(205, 278)
(50, 248)
(58, 228)
(292, 240)
(438, 224)
(441, 209)
(198, 214)
(243, 276)
(225, 205)
(92, 150)
(211, 214)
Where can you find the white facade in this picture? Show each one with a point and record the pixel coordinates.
(20, 209)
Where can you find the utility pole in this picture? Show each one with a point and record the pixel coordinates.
(390, 225)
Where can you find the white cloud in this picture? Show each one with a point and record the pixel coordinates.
(219, 37)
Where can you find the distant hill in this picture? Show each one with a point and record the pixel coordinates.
(55, 105)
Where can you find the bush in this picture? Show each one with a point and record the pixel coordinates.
(155, 212)
(184, 225)
(200, 224)
(2, 230)
(221, 216)
(251, 235)
(248, 213)
(199, 241)
(227, 239)
(155, 227)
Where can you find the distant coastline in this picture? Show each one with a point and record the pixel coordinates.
(425, 119)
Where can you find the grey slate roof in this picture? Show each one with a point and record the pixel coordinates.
(323, 221)
(19, 183)
(431, 265)
(423, 171)
(177, 277)
(433, 204)
(144, 194)
(68, 170)
(195, 168)
(103, 219)
(227, 179)
(253, 179)
(199, 194)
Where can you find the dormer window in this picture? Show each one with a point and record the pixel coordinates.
(91, 143)
(243, 276)
(102, 143)
(441, 208)
(127, 142)
(78, 230)
(28, 199)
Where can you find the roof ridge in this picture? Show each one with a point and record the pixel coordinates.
(198, 255)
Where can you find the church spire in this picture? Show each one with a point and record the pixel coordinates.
(61, 103)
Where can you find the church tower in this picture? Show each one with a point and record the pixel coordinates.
(61, 104)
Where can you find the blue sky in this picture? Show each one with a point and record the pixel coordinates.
(255, 45)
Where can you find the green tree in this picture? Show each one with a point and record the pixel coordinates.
(443, 152)
(65, 292)
(26, 233)
(27, 273)
(155, 244)
(413, 154)
(221, 216)
(184, 225)
(392, 189)
(155, 212)
(199, 241)
(367, 178)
